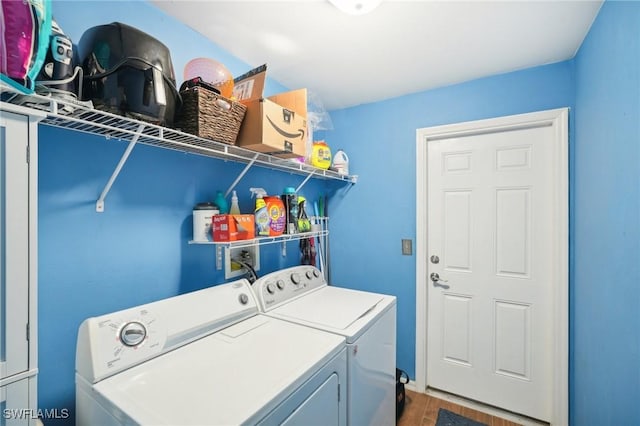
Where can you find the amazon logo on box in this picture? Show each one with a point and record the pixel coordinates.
(276, 125)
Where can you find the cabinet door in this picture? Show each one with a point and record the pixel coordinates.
(14, 400)
(14, 244)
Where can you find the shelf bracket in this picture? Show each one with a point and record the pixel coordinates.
(241, 175)
(116, 172)
(305, 181)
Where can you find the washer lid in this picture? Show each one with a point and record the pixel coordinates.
(214, 380)
(340, 310)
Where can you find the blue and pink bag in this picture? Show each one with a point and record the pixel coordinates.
(25, 28)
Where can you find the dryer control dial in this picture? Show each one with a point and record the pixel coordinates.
(295, 278)
(277, 288)
(133, 333)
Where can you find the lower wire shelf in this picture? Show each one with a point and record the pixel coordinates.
(284, 238)
(264, 240)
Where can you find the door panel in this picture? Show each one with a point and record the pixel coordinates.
(321, 408)
(513, 339)
(513, 230)
(457, 329)
(457, 234)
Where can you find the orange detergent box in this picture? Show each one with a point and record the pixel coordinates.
(233, 227)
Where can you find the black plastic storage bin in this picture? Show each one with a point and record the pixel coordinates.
(128, 72)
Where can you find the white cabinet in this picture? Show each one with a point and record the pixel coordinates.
(18, 266)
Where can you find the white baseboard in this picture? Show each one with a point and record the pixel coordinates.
(412, 387)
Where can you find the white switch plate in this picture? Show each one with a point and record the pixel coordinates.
(407, 249)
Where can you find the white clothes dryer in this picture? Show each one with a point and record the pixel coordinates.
(367, 321)
(207, 358)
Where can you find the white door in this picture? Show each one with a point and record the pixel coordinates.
(492, 223)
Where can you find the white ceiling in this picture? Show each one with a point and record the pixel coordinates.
(401, 47)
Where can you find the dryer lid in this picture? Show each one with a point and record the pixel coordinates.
(332, 307)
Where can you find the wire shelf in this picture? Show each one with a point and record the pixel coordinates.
(80, 117)
(265, 240)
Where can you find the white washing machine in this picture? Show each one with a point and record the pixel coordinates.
(207, 358)
(366, 320)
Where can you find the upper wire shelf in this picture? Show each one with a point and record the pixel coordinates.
(74, 116)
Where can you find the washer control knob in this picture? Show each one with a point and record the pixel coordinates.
(280, 284)
(316, 273)
(295, 278)
(133, 333)
(271, 288)
(243, 298)
(309, 275)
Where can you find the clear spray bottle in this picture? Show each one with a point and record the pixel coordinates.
(235, 208)
(263, 221)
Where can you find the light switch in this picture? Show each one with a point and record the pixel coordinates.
(407, 250)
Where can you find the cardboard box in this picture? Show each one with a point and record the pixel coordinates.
(276, 125)
(227, 227)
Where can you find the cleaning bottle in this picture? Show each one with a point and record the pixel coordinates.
(221, 203)
(340, 162)
(235, 209)
(321, 155)
(304, 224)
(290, 201)
(275, 209)
(263, 221)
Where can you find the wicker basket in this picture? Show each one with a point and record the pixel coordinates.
(210, 115)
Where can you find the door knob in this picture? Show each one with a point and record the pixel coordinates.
(436, 278)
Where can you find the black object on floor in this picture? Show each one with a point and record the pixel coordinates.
(402, 378)
(448, 418)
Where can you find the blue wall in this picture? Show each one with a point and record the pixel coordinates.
(136, 251)
(367, 224)
(605, 385)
